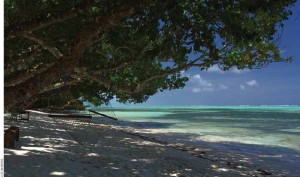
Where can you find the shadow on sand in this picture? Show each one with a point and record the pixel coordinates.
(50, 147)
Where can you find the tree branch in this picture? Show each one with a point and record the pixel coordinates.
(36, 24)
(130, 90)
(125, 63)
(24, 77)
(65, 66)
(53, 50)
(141, 86)
(102, 80)
(59, 85)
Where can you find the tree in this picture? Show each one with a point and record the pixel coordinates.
(130, 49)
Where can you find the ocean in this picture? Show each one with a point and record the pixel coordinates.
(254, 130)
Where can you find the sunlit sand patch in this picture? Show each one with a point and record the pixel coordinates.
(62, 141)
(275, 156)
(247, 160)
(294, 130)
(146, 160)
(175, 174)
(144, 143)
(223, 169)
(17, 152)
(214, 166)
(43, 149)
(92, 155)
(30, 137)
(57, 173)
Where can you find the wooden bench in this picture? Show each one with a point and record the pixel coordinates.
(10, 136)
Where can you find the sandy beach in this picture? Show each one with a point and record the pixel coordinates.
(57, 147)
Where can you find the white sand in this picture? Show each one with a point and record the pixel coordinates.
(53, 147)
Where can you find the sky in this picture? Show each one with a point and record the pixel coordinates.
(277, 84)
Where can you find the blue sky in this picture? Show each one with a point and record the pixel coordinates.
(278, 84)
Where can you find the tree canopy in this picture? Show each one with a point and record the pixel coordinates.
(60, 53)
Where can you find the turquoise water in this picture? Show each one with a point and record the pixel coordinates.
(274, 126)
(269, 135)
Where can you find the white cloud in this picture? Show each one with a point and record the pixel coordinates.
(223, 87)
(200, 81)
(196, 90)
(199, 84)
(239, 71)
(252, 83)
(215, 68)
(182, 72)
(242, 87)
(247, 84)
(235, 70)
(207, 89)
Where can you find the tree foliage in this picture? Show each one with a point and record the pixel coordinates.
(97, 49)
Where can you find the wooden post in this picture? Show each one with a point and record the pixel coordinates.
(16, 131)
(9, 139)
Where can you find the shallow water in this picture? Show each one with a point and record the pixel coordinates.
(271, 130)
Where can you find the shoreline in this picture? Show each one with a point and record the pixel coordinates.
(111, 150)
(261, 159)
